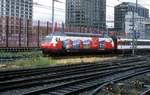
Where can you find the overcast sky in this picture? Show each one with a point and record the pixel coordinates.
(44, 12)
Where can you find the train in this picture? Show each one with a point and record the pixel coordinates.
(72, 42)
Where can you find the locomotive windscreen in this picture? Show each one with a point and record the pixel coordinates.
(47, 38)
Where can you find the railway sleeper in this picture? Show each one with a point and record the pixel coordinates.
(69, 89)
(75, 87)
(54, 93)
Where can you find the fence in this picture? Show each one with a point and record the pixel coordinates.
(15, 32)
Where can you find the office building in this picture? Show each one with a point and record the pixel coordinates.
(16, 8)
(86, 13)
(124, 13)
(15, 20)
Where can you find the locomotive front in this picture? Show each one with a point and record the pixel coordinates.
(51, 44)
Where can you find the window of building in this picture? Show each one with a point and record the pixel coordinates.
(17, 11)
(22, 16)
(17, 14)
(30, 13)
(22, 12)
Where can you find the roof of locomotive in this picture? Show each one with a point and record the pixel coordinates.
(77, 34)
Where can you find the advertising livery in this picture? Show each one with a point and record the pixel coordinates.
(76, 42)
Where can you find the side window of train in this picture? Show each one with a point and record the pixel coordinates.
(131, 43)
(57, 39)
(120, 42)
(125, 42)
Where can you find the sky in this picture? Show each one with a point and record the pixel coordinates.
(43, 11)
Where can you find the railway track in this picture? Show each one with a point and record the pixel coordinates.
(22, 72)
(79, 85)
(66, 80)
(113, 81)
(147, 92)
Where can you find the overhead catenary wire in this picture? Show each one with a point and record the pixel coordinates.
(60, 9)
(46, 7)
(36, 4)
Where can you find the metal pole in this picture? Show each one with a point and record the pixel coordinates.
(38, 34)
(47, 27)
(52, 16)
(27, 28)
(7, 30)
(53, 2)
(136, 5)
(134, 31)
(107, 30)
(20, 33)
(133, 51)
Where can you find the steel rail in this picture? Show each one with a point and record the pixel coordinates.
(46, 90)
(147, 92)
(11, 84)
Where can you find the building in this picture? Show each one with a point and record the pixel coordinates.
(139, 24)
(16, 8)
(86, 13)
(15, 20)
(14, 13)
(147, 29)
(124, 12)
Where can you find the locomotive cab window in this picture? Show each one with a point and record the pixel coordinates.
(47, 38)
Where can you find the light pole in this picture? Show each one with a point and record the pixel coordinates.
(107, 30)
(53, 2)
(53, 16)
(134, 31)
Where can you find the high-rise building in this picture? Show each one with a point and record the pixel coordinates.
(16, 8)
(126, 9)
(15, 20)
(86, 13)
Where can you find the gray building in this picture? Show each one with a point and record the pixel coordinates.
(139, 25)
(16, 8)
(147, 28)
(122, 10)
(86, 13)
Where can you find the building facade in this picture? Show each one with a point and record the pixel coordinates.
(15, 20)
(16, 8)
(139, 25)
(15, 13)
(124, 12)
(147, 29)
(86, 13)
